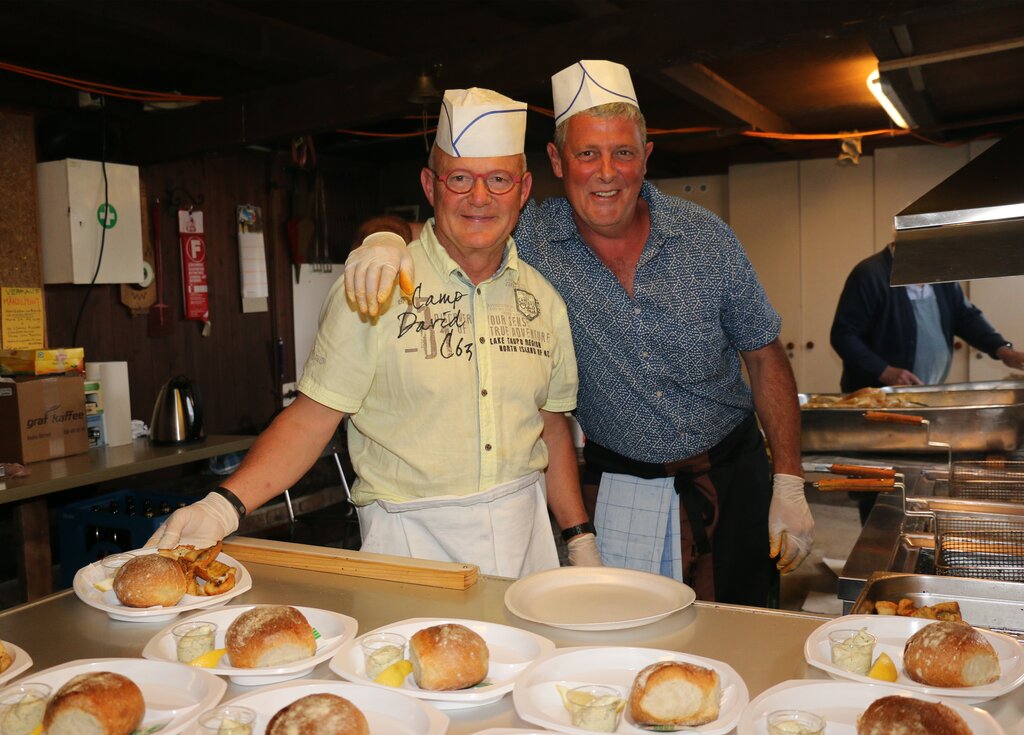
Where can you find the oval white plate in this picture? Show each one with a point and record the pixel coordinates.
(511, 651)
(596, 598)
(175, 694)
(891, 633)
(334, 628)
(387, 711)
(537, 700)
(108, 602)
(20, 661)
(841, 703)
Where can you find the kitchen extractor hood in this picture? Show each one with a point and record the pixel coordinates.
(969, 226)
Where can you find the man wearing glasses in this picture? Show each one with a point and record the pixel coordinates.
(666, 312)
(456, 397)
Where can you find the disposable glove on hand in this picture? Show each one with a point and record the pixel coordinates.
(583, 551)
(201, 524)
(790, 524)
(371, 269)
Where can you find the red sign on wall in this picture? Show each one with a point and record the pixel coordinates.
(193, 265)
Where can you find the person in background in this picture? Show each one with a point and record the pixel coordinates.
(903, 335)
(456, 399)
(665, 310)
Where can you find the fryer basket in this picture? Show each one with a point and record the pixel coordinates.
(979, 548)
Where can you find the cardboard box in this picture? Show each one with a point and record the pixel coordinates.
(42, 418)
(42, 362)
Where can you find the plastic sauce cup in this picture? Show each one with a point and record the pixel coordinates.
(852, 650)
(229, 720)
(795, 722)
(193, 639)
(22, 707)
(380, 650)
(595, 707)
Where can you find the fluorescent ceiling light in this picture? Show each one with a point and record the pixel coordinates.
(888, 100)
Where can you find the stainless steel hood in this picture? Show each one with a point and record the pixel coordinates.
(969, 226)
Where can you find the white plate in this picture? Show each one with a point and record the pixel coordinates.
(175, 694)
(108, 602)
(20, 661)
(537, 700)
(891, 633)
(841, 703)
(335, 629)
(387, 711)
(510, 731)
(596, 598)
(511, 651)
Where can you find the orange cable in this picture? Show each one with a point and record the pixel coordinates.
(105, 89)
(368, 134)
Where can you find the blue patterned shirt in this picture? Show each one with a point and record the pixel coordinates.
(660, 377)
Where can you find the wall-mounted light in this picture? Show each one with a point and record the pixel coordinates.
(889, 101)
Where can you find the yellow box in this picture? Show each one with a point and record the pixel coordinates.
(43, 362)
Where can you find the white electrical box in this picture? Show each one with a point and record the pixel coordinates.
(74, 219)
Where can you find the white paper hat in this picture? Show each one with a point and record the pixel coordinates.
(588, 84)
(479, 123)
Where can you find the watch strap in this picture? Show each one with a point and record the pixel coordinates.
(235, 501)
(568, 533)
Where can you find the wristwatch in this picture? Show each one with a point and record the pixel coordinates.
(568, 533)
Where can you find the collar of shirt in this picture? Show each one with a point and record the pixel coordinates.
(561, 223)
(444, 264)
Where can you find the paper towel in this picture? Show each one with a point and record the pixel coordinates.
(117, 405)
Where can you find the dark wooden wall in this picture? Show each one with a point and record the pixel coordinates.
(237, 365)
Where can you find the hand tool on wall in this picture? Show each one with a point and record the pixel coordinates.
(160, 324)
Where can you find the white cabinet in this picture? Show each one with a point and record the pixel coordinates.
(804, 225)
(71, 222)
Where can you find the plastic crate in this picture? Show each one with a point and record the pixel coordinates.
(107, 524)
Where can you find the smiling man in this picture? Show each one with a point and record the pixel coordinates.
(456, 398)
(666, 310)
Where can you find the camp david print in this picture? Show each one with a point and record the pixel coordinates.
(440, 325)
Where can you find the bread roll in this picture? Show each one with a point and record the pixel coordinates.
(448, 656)
(99, 703)
(148, 580)
(675, 693)
(950, 654)
(319, 714)
(899, 715)
(5, 658)
(268, 636)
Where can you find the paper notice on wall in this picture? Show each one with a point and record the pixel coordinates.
(21, 319)
(252, 259)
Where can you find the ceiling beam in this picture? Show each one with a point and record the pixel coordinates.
(700, 86)
(642, 40)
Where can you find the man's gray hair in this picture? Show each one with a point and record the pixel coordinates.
(611, 109)
(432, 159)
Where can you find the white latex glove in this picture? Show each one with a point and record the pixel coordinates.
(201, 524)
(583, 551)
(790, 524)
(371, 269)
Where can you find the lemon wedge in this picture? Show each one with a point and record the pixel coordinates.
(883, 669)
(38, 730)
(104, 585)
(395, 674)
(209, 659)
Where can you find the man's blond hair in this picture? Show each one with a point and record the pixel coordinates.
(611, 109)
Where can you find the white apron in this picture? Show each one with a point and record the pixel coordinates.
(505, 530)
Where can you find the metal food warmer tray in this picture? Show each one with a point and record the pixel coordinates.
(969, 417)
(992, 604)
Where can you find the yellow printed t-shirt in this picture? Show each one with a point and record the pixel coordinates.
(444, 393)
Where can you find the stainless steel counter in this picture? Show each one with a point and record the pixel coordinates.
(764, 646)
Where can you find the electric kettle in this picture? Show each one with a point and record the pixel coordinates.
(178, 413)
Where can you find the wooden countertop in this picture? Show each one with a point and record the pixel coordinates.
(111, 463)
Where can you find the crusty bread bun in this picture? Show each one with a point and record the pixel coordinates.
(268, 636)
(899, 715)
(319, 714)
(5, 658)
(98, 703)
(448, 656)
(148, 580)
(675, 693)
(950, 654)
